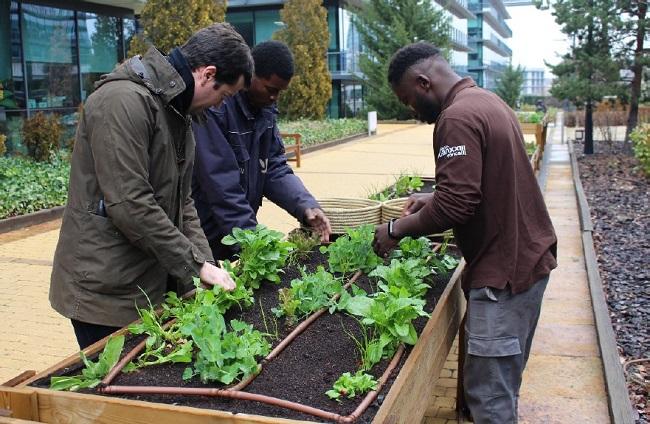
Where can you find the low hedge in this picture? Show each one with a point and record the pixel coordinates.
(317, 132)
(27, 186)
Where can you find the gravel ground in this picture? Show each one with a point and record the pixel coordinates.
(619, 200)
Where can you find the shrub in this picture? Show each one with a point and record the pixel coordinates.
(641, 139)
(316, 132)
(3, 148)
(41, 135)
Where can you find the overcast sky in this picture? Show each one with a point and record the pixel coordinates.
(535, 37)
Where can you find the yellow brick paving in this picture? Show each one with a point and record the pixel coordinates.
(562, 384)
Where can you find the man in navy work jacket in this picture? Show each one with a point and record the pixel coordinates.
(240, 157)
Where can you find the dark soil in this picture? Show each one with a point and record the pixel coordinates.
(619, 200)
(303, 372)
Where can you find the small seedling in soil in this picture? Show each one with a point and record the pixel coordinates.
(349, 385)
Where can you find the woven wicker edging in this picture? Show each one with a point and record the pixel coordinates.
(345, 213)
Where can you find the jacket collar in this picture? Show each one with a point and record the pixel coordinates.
(153, 71)
(458, 87)
(244, 106)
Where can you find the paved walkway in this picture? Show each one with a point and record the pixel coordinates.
(563, 382)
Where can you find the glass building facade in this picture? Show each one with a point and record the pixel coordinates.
(487, 37)
(51, 54)
(256, 21)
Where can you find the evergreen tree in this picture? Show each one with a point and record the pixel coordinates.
(589, 71)
(170, 23)
(635, 27)
(385, 26)
(509, 85)
(307, 35)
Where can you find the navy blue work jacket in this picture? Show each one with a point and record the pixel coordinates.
(239, 159)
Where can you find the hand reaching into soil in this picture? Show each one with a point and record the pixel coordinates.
(214, 276)
(415, 202)
(317, 220)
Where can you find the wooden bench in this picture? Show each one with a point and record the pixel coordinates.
(294, 148)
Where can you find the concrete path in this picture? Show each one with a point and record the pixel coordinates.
(563, 382)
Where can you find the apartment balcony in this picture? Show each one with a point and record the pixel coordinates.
(344, 65)
(491, 16)
(459, 40)
(458, 8)
(498, 46)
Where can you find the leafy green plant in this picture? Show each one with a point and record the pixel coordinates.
(353, 251)
(641, 145)
(391, 312)
(3, 147)
(94, 372)
(410, 248)
(42, 136)
(262, 254)
(350, 385)
(305, 241)
(161, 345)
(404, 186)
(224, 355)
(308, 294)
(370, 345)
(27, 186)
(408, 274)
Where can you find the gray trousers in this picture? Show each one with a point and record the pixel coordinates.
(499, 331)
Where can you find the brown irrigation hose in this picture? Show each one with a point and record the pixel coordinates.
(130, 356)
(236, 394)
(290, 338)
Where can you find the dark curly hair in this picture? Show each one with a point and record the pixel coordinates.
(273, 57)
(408, 56)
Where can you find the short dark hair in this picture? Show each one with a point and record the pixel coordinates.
(221, 46)
(408, 56)
(273, 57)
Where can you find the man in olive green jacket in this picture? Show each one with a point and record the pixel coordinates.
(130, 228)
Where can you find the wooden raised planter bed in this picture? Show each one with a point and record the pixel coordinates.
(405, 401)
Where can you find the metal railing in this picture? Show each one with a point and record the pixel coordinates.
(343, 62)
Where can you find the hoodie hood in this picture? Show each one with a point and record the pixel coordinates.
(153, 71)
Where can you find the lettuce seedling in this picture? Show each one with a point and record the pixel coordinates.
(262, 254)
(94, 372)
(308, 294)
(349, 385)
(353, 251)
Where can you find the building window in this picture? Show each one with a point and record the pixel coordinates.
(99, 48)
(50, 57)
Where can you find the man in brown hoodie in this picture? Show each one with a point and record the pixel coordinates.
(487, 193)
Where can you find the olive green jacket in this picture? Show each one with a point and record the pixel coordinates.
(134, 151)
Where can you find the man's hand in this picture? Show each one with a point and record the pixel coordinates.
(415, 202)
(215, 276)
(317, 220)
(383, 243)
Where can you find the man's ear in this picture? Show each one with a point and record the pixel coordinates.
(209, 73)
(423, 81)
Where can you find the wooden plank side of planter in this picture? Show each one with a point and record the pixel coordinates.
(19, 403)
(408, 398)
(65, 407)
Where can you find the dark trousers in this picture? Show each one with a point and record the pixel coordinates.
(88, 334)
(499, 331)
